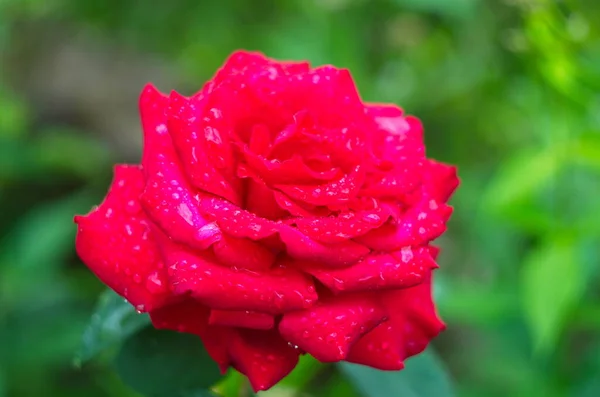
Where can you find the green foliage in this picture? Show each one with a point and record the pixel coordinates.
(113, 321)
(506, 90)
(553, 283)
(165, 363)
(423, 376)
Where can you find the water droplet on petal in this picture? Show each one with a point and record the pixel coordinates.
(154, 283)
(132, 207)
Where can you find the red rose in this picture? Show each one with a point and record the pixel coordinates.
(275, 213)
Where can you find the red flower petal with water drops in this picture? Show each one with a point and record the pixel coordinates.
(243, 254)
(115, 242)
(340, 228)
(337, 192)
(241, 319)
(417, 226)
(243, 224)
(398, 269)
(412, 324)
(200, 136)
(441, 180)
(329, 329)
(277, 290)
(263, 356)
(167, 197)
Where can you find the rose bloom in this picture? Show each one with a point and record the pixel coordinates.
(274, 214)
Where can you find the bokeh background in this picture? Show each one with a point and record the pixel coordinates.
(507, 89)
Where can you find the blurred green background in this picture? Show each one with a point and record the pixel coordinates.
(508, 90)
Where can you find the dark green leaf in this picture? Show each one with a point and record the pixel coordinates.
(39, 244)
(424, 376)
(2, 384)
(195, 393)
(112, 322)
(159, 363)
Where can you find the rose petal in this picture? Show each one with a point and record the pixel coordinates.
(337, 192)
(263, 356)
(418, 226)
(243, 224)
(298, 209)
(114, 241)
(399, 269)
(192, 317)
(260, 199)
(243, 254)
(241, 318)
(441, 180)
(402, 135)
(167, 197)
(201, 137)
(275, 291)
(300, 246)
(403, 178)
(329, 329)
(293, 170)
(337, 229)
(333, 95)
(413, 323)
(235, 221)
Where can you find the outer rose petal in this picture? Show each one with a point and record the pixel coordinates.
(328, 329)
(402, 135)
(192, 317)
(227, 289)
(115, 242)
(263, 356)
(241, 318)
(167, 197)
(398, 269)
(201, 138)
(441, 180)
(413, 323)
(404, 178)
(418, 226)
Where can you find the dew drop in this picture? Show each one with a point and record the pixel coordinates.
(154, 283)
(132, 207)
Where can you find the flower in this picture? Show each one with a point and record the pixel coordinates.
(274, 213)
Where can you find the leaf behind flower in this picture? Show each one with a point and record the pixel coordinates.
(113, 321)
(424, 376)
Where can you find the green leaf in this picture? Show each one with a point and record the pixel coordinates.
(455, 8)
(195, 393)
(159, 363)
(552, 283)
(39, 245)
(233, 384)
(2, 384)
(521, 177)
(424, 376)
(113, 321)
